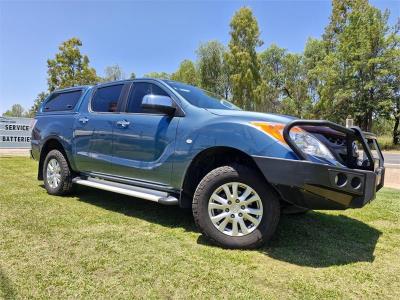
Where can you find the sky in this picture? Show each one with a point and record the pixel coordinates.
(139, 36)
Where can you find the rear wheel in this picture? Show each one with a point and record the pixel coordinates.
(57, 174)
(235, 208)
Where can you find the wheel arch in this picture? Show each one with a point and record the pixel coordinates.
(207, 160)
(52, 143)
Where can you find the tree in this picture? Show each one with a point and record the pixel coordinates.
(213, 72)
(113, 73)
(396, 116)
(296, 100)
(338, 20)
(270, 89)
(314, 53)
(242, 58)
(186, 73)
(395, 83)
(158, 75)
(16, 111)
(36, 105)
(357, 70)
(132, 76)
(70, 67)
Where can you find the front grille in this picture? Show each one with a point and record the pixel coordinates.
(336, 140)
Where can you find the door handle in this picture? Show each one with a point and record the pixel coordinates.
(123, 123)
(83, 120)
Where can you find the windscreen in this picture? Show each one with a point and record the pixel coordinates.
(200, 97)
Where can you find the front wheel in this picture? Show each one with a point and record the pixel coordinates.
(235, 208)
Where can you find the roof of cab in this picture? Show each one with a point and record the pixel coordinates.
(129, 80)
(84, 87)
(73, 88)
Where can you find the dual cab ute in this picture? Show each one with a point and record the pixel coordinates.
(176, 144)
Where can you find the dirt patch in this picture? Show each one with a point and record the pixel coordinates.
(14, 152)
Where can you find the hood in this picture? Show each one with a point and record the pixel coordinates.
(252, 116)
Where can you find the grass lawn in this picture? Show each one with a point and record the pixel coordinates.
(101, 245)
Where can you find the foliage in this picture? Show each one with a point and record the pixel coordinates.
(271, 73)
(382, 126)
(36, 105)
(284, 85)
(314, 53)
(16, 111)
(386, 143)
(212, 69)
(186, 73)
(132, 76)
(70, 67)
(158, 75)
(395, 84)
(242, 59)
(355, 72)
(113, 73)
(295, 100)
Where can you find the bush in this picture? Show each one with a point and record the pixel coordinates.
(386, 143)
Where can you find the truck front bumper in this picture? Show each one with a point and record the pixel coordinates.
(319, 186)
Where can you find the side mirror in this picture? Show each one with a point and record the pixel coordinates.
(157, 103)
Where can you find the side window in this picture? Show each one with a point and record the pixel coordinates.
(106, 98)
(141, 89)
(63, 101)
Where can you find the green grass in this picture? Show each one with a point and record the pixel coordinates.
(101, 245)
(386, 143)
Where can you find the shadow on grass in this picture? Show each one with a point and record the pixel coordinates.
(6, 287)
(317, 239)
(168, 216)
(314, 239)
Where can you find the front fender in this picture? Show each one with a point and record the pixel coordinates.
(240, 135)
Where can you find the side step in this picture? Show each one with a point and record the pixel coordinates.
(134, 191)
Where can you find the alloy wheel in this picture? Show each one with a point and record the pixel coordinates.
(53, 173)
(235, 209)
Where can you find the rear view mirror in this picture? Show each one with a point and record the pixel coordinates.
(158, 103)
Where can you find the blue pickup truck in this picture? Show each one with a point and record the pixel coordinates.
(176, 144)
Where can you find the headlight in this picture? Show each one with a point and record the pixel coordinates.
(310, 144)
(304, 140)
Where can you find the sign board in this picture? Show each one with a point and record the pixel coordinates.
(15, 132)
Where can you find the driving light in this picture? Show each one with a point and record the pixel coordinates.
(307, 142)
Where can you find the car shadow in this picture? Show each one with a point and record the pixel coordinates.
(320, 240)
(164, 215)
(315, 239)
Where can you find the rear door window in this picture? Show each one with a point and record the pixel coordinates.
(106, 98)
(63, 101)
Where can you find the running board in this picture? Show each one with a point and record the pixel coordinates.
(129, 190)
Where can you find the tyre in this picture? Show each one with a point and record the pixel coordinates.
(235, 208)
(57, 175)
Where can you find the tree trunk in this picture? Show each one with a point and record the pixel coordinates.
(369, 121)
(396, 132)
(366, 121)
